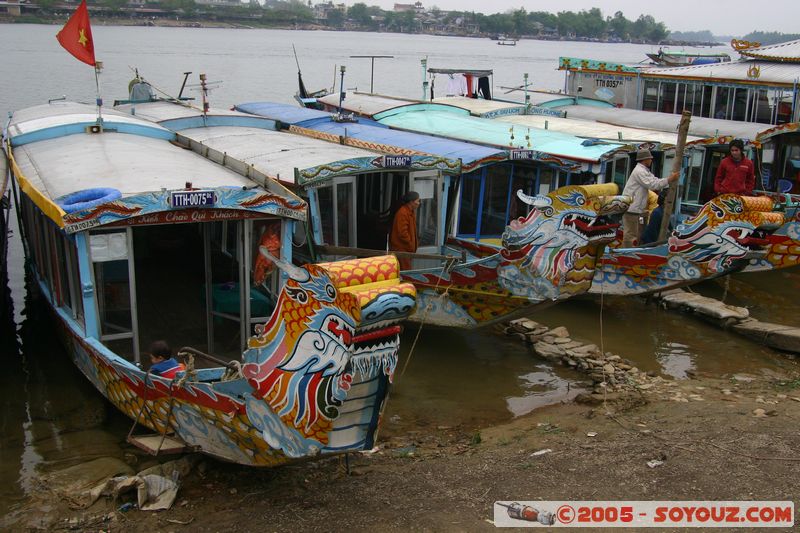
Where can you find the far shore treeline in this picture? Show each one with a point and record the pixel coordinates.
(589, 24)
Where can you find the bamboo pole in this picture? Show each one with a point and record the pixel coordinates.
(669, 201)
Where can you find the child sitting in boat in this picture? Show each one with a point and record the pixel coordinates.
(163, 364)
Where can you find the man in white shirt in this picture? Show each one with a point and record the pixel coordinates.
(639, 183)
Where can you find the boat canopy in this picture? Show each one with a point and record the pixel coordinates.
(178, 115)
(788, 51)
(468, 71)
(699, 127)
(750, 72)
(482, 108)
(367, 133)
(61, 154)
(447, 123)
(550, 99)
(764, 74)
(365, 104)
(275, 153)
(61, 118)
(597, 130)
(515, 113)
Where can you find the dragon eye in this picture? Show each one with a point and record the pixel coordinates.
(297, 294)
(331, 292)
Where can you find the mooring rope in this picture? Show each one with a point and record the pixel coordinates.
(445, 270)
(176, 383)
(141, 409)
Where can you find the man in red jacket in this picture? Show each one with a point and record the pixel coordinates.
(403, 236)
(736, 173)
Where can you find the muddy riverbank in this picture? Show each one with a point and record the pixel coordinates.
(732, 439)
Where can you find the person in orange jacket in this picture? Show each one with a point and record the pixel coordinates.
(403, 237)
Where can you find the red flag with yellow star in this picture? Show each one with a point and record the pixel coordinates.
(76, 35)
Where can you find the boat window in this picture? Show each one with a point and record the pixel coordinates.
(62, 278)
(650, 102)
(40, 246)
(264, 288)
(724, 103)
(547, 179)
(693, 95)
(344, 214)
(48, 256)
(667, 98)
(495, 200)
(524, 180)
(378, 195)
(713, 159)
(760, 108)
(425, 183)
(791, 167)
(694, 177)
(337, 212)
(221, 283)
(452, 193)
(619, 172)
(667, 162)
(228, 237)
(326, 210)
(113, 287)
(583, 178)
(31, 220)
(706, 108)
(784, 112)
(470, 204)
(378, 191)
(680, 97)
(74, 280)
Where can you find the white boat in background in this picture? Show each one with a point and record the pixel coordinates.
(668, 58)
(761, 86)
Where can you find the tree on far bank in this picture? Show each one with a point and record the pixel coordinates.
(619, 25)
(770, 37)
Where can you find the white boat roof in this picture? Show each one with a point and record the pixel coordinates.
(160, 110)
(595, 129)
(274, 153)
(477, 106)
(788, 51)
(61, 113)
(131, 163)
(578, 127)
(750, 71)
(666, 122)
(366, 104)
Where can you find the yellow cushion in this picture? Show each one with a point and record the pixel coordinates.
(355, 272)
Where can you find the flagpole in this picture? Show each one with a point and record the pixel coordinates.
(97, 66)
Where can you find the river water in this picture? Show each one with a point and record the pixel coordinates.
(52, 417)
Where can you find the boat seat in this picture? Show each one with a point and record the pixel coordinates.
(368, 278)
(765, 207)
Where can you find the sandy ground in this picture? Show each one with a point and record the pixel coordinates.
(732, 439)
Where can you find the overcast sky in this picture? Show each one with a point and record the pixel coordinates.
(722, 17)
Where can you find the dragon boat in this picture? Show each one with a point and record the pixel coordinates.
(544, 257)
(133, 237)
(783, 244)
(728, 234)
